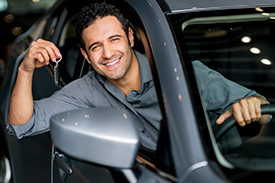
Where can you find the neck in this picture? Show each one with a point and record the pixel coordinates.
(131, 80)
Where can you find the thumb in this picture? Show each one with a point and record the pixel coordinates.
(224, 116)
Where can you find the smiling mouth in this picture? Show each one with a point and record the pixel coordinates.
(113, 63)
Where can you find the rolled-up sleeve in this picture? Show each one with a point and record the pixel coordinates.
(68, 98)
(217, 92)
(21, 130)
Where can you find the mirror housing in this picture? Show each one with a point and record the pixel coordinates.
(106, 136)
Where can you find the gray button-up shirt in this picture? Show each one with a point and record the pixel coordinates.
(93, 90)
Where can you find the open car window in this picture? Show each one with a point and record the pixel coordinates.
(74, 66)
(240, 47)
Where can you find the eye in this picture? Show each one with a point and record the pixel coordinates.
(95, 47)
(115, 39)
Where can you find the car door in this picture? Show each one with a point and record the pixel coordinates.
(150, 166)
(184, 149)
(237, 44)
(25, 154)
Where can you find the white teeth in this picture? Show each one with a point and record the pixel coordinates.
(113, 63)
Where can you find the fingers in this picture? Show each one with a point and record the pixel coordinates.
(247, 110)
(49, 48)
(39, 54)
(224, 116)
(240, 112)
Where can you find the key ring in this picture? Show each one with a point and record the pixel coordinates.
(58, 60)
(56, 71)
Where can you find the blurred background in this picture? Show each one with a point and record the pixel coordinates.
(16, 17)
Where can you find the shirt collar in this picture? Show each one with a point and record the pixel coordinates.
(144, 67)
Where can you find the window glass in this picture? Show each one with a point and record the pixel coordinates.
(239, 46)
(242, 50)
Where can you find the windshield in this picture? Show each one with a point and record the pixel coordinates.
(239, 46)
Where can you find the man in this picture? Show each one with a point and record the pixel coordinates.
(122, 78)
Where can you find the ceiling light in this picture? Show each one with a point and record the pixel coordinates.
(3, 5)
(266, 14)
(266, 61)
(16, 31)
(246, 39)
(259, 9)
(9, 18)
(255, 50)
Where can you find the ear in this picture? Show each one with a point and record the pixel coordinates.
(84, 53)
(131, 36)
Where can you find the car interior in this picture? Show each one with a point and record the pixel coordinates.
(230, 44)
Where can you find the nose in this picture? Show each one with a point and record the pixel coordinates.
(107, 51)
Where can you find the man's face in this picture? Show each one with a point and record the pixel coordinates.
(109, 50)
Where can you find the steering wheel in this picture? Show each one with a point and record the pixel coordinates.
(221, 130)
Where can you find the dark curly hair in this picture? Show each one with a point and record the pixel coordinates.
(94, 11)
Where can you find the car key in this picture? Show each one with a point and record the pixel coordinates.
(56, 71)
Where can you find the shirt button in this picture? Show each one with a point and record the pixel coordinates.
(134, 92)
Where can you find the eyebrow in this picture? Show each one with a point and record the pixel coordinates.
(95, 43)
(116, 35)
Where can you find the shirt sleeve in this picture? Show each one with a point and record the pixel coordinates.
(68, 98)
(20, 130)
(217, 92)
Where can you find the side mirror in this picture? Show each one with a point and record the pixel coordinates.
(106, 136)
